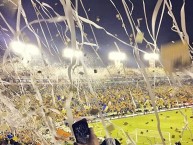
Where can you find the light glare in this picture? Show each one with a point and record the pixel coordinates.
(70, 53)
(151, 56)
(117, 56)
(17, 47)
(33, 50)
(24, 50)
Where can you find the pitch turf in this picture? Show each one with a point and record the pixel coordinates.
(171, 122)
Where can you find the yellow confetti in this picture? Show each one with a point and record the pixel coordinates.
(15, 138)
(139, 37)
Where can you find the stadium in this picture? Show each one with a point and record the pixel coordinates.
(130, 83)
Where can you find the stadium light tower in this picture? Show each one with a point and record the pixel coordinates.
(17, 47)
(71, 53)
(25, 50)
(152, 58)
(22, 49)
(117, 57)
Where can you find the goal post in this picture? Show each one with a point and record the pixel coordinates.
(150, 136)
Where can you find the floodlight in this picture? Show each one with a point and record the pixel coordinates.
(117, 56)
(70, 53)
(32, 50)
(23, 49)
(26, 51)
(17, 47)
(78, 54)
(151, 56)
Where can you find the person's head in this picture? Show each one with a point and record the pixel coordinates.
(111, 141)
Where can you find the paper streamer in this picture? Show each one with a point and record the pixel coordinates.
(183, 23)
(142, 68)
(69, 111)
(154, 16)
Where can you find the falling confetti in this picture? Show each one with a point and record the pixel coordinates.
(42, 95)
(97, 19)
(118, 16)
(139, 37)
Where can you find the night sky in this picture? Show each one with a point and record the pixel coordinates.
(103, 13)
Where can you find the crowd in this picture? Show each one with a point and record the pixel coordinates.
(45, 105)
(128, 99)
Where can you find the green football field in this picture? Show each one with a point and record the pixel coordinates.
(143, 128)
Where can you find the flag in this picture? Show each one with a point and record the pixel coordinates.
(105, 108)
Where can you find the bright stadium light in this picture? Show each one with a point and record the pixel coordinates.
(24, 49)
(33, 50)
(117, 56)
(17, 47)
(78, 54)
(70, 53)
(151, 56)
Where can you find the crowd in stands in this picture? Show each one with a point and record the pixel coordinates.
(117, 100)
